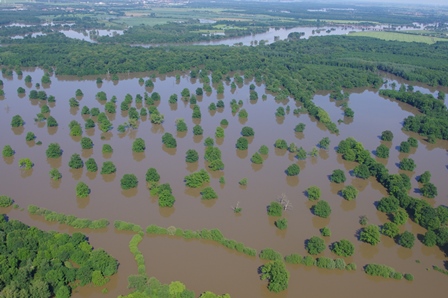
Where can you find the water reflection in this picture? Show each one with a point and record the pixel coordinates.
(128, 193)
(83, 202)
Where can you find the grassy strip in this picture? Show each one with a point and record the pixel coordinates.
(213, 234)
(70, 220)
(321, 262)
(406, 37)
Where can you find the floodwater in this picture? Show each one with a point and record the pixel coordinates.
(204, 265)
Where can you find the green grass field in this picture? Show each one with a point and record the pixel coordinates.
(399, 36)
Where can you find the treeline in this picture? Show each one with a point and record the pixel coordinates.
(70, 220)
(434, 121)
(386, 272)
(213, 234)
(34, 263)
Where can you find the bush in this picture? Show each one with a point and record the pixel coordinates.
(26, 163)
(197, 130)
(128, 181)
(315, 245)
(30, 136)
(407, 164)
(382, 151)
(82, 190)
(324, 143)
(349, 193)
(413, 142)
(107, 148)
(247, 131)
(208, 193)
(7, 151)
(337, 176)
(300, 127)
(379, 270)
(169, 140)
(191, 156)
(224, 122)
(406, 239)
(430, 238)
(370, 234)
(362, 171)
(55, 174)
(75, 161)
(152, 175)
(343, 248)
(425, 177)
(197, 179)
(242, 143)
(387, 135)
(429, 190)
(219, 133)
(388, 204)
(293, 259)
(390, 229)
(86, 143)
(277, 275)
(275, 209)
(322, 209)
(91, 165)
(325, 231)
(263, 150)
(293, 170)
(405, 147)
(17, 121)
(281, 224)
(325, 263)
(5, 201)
(281, 144)
(243, 181)
(51, 122)
(108, 168)
(270, 254)
(257, 159)
(408, 277)
(138, 145)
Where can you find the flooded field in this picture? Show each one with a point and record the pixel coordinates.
(204, 265)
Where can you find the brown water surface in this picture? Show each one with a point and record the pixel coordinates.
(204, 265)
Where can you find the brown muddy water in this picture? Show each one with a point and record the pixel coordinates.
(203, 265)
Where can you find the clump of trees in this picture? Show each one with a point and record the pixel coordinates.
(108, 168)
(197, 179)
(17, 121)
(370, 234)
(242, 143)
(25, 163)
(349, 193)
(275, 209)
(315, 245)
(138, 145)
(169, 140)
(82, 190)
(322, 209)
(337, 176)
(209, 193)
(385, 271)
(382, 151)
(277, 275)
(343, 248)
(293, 170)
(407, 164)
(128, 181)
(55, 174)
(7, 151)
(387, 136)
(75, 161)
(5, 201)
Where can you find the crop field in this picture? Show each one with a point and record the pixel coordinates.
(400, 37)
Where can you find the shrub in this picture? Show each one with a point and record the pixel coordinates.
(247, 131)
(86, 143)
(263, 150)
(7, 151)
(197, 179)
(362, 171)
(219, 133)
(277, 275)
(243, 181)
(169, 140)
(337, 176)
(343, 248)
(25, 163)
(197, 130)
(91, 165)
(408, 277)
(138, 145)
(128, 181)
(315, 245)
(75, 161)
(242, 143)
(208, 193)
(281, 144)
(55, 174)
(224, 122)
(370, 234)
(107, 148)
(191, 156)
(270, 254)
(293, 259)
(429, 190)
(388, 204)
(300, 127)
(387, 135)
(256, 158)
(413, 142)
(349, 193)
(325, 231)
(293, 170)
(281, 224)
(322, 209)
(405, 147)
(407, 164)
(152, 175)
(17, 121)
(390, 229)
(382, 151)
(325, 263)
(5, 201)
(30, 136)
(406, 239)
(275, 209)
(108, 168)
(82, 190)
(425, 177)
